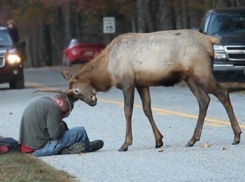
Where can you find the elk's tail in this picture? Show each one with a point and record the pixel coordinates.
(213, 39)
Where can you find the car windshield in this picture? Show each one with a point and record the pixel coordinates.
(227, 24)
(5, 39)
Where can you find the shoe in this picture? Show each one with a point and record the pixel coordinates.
(96, 145)
(74, 149)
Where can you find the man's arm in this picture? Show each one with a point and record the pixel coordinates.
(63, 122)
(55, 126)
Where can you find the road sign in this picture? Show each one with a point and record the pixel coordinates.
(109, 25)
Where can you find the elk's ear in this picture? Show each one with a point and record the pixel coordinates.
(68, 76)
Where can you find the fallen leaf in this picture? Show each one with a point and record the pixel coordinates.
(206, 145)
(161, 150)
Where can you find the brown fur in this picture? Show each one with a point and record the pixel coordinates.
(141, 60)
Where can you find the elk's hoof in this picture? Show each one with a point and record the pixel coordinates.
(189, 145)
(158, 146)
(123, 149)
(235, 142)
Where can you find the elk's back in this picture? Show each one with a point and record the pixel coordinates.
(159, 58)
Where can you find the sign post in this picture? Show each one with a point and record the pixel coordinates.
(109, 25)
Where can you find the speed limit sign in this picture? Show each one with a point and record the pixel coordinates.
(109, 25)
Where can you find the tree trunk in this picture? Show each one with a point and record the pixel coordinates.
(185, 14)
(141, 16)
(148, 16)
(68, 27)
(46, 46)
(221, 3)
(178, 14)
(56, 32)
(28, 51)
(165, 12)
(133, 23)
(79, 24)
(195, 13)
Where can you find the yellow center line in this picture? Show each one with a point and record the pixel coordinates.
(210, 121)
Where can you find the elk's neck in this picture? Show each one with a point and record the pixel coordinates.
(96, 72)
(101, 80)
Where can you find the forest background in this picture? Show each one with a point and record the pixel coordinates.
(48, 25)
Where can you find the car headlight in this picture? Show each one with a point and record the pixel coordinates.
(13, 59)
(219, 55)
(219, 47)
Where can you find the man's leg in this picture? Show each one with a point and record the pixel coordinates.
(71, 136)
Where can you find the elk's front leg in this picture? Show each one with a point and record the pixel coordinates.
(146, 102)
(128, 93)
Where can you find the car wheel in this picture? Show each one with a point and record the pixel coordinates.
(18, 84)
(66, 61)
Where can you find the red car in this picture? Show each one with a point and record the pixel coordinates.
(81, 50)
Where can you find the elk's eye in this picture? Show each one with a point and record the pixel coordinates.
(76, 91)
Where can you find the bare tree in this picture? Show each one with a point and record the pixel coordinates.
(141, 16)
(220, 3)
(148, 15)
(178, 14)
(185, 14)
(166, 15)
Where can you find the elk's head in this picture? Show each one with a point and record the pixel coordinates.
(81, 89)
(78, 90)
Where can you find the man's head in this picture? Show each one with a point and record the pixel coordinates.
(64, 104)
(10, 24)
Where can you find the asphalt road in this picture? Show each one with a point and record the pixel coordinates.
(175, 110)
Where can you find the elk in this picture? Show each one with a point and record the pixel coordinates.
(142, 60)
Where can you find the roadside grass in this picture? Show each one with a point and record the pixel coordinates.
(19, 167)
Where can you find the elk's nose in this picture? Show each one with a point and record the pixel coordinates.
(93, 98)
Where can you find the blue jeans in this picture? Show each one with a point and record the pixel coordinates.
(71, 136)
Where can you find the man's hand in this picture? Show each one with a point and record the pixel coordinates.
(64, 123)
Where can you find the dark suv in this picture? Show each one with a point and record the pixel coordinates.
(228, 24)
(11, 61)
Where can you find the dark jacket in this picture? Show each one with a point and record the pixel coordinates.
(15, 34)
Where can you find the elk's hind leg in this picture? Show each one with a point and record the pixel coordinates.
(146, 102)
(223, 95)
(203, 102)
(206, 78)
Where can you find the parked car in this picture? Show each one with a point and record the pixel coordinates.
(11, 62)
(81, 50)
(228, 24)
